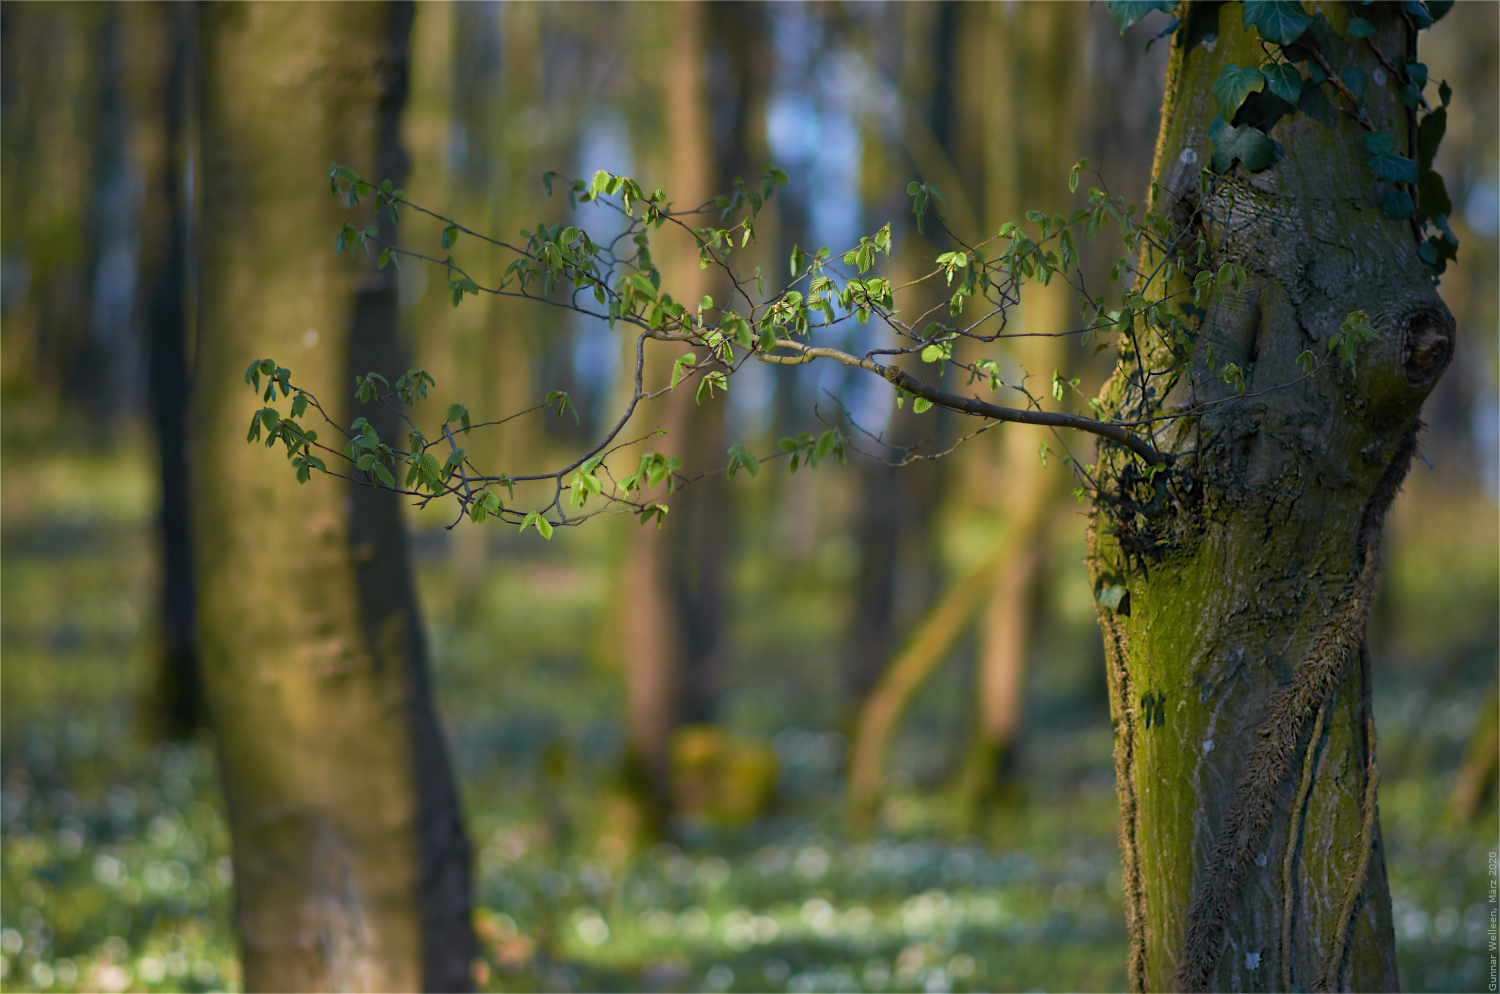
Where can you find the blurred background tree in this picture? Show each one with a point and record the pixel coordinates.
(113, 845)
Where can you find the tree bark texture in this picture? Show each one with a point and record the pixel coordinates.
(1245, 751)
(351, 867)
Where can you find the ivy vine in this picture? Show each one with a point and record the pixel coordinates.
(1308, 68)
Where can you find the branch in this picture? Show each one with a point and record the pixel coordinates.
(973, 405)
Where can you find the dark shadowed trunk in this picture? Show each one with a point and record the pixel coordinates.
(161, 49)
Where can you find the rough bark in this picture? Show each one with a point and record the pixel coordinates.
(351, 868)
(1239, 689)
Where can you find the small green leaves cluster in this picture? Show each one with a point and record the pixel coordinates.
(805, 449)
(1229, 279)
(343, 181)
(586, 482)
(299, 441)
(655, 469)
(1354, 331)
(922, 195)
(740, 457)
(862, 257)
(564, 402)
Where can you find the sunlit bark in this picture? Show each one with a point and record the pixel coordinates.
(351, 867)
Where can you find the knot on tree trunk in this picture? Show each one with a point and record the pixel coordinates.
(1428, 345)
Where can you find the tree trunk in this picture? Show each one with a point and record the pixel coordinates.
(1027, 155)
(1240, 690)
(351, 866)
(881, 711)
(160, 44)
(661, 640)
(1480, 772)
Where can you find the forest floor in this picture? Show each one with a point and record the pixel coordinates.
(114, 868)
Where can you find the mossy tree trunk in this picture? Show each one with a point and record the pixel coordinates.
(351, 866)
(1240, 687)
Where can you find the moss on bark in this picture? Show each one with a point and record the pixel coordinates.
(1251, 563)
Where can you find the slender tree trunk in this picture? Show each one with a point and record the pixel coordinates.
(160, 43)
(351, 867)
(55, 79)
(1480, 772)
(881, 712)
(1240, 690)
(897, 504)
(1027, 155)
(655, 634)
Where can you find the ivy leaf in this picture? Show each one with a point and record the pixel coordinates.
(1127, 12)
(1430, 136)
(1398, 204)
(1432, 194)
(1279, 22)
(1378, 142)
(1316, 106)
(1234, 84)
(1396, 168)
(1249, 145)
(1354, 78)
(1418, 13)
(1360, 28)
(1112, 597)
(1283, 80)
(1438, 8)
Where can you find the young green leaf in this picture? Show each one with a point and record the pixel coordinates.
(739, 456)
